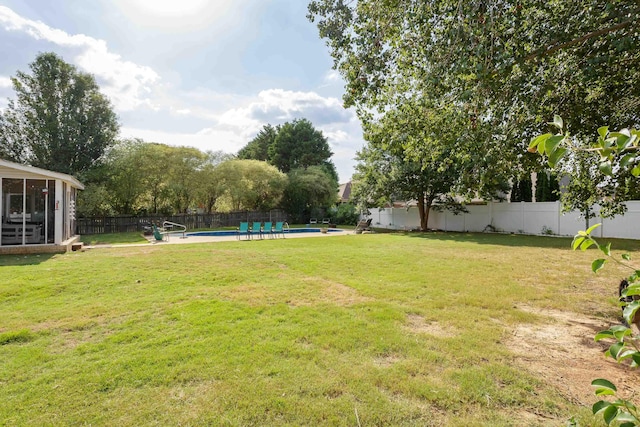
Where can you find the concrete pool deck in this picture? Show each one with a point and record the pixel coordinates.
(176, 238)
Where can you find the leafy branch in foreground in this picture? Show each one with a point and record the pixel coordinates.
(618, 155)
(626, 346)
(602, 173)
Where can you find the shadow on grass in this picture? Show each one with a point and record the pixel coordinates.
(31, 259)
(517, 240)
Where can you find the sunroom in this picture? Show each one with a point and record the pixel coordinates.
(38, 209)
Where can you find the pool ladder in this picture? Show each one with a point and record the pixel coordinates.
(170, 228)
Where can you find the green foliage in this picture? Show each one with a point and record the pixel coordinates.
(547, 187)
(617, 151)
(290, 146)
(301, 151)
(345, 214)
(298, 145)
(418, 151)
(309, 190)
(143, 177)
(521, 191)
(59, 121)
(503, 65)
(207, 190)
(184, 172)
(600, 172)
(258, 147)
(126, 175)
(626, 347)
(248, 185)
(94, 201)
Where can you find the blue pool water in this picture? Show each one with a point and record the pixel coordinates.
(234, 233)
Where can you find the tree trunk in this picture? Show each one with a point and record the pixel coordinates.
(587, 214)
(424, 206)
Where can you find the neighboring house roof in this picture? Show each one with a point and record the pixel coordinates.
(7, 167)
(344, 192)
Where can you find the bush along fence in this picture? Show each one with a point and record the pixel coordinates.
(123, 224)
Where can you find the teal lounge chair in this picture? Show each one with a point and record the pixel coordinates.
(243, 230)
(280, 228)
(256, 229)
(268, 229)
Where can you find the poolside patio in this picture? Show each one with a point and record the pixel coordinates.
(174, 239)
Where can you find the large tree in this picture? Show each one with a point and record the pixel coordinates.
(299, 145)
(146, 177)
(507, 64)
(309, 191)
(126, 176)
(303, 153)
(258, 147)
(292, 145)
(208, 189)
(248, 185)
(424, 154)
(59, 119)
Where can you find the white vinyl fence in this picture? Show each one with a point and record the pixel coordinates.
(520, 217)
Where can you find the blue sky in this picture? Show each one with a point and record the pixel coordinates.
(202, 73)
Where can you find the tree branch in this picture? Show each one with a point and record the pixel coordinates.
(554, 48)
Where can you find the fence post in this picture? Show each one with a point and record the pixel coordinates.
(558, 214)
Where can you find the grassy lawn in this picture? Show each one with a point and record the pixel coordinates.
(317, 331)
(114, 238)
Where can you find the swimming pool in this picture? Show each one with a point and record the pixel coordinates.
(235, 233)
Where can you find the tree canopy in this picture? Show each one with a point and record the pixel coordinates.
(309, 192)
(439, 170)
(59, 120)
(303, 153)
(292, 145)
(146, 177)
(514, 59)
(258, 147)
(505, 67)
(248, 185)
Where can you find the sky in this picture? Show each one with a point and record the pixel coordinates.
(201, 73)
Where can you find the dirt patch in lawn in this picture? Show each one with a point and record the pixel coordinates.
(418, 324)
(562, 352)
(310, 291)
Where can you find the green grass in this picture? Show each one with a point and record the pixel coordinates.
(318, 331)
(114, 238)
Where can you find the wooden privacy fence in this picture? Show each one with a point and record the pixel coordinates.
(122, 224)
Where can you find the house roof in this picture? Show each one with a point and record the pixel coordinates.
(344, 192)
(41, 173)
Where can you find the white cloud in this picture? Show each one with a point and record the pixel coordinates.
(235, 127)
(127, 84)
(205, 140)
(206, 119)
(5, 82)
(277, 106)
(332, 76)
